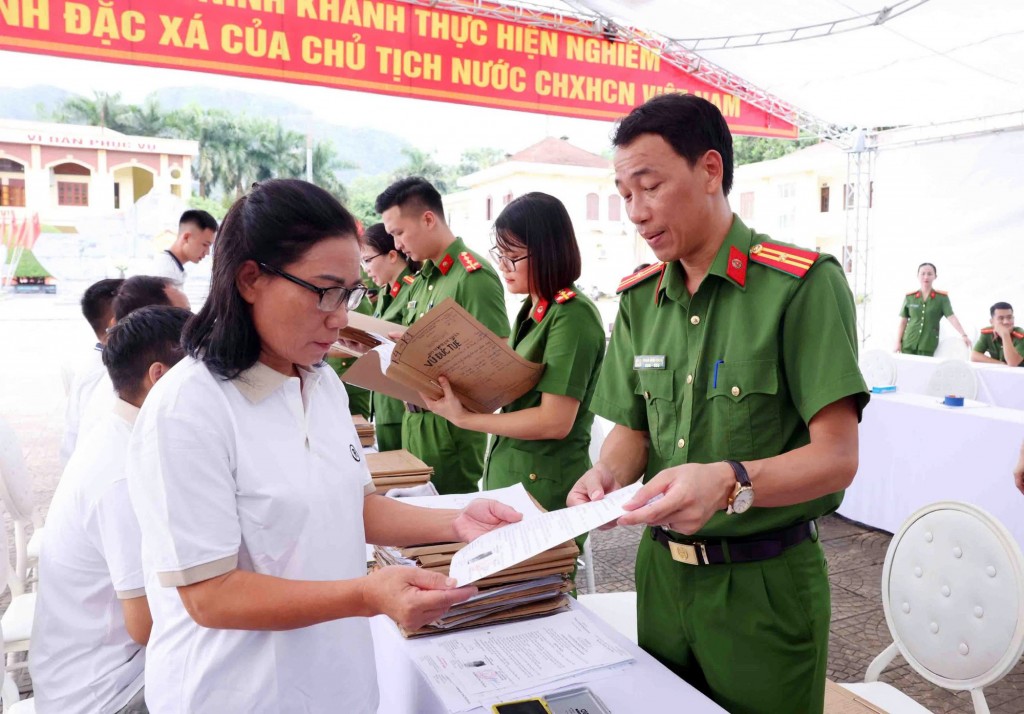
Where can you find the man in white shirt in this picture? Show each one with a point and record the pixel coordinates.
(92, 405)
(98, 310)
(196, 231)
(92, 618)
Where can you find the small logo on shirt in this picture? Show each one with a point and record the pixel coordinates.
(355, 454)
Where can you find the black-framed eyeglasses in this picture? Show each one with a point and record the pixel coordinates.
(365, 262)
(330, 298)
(504, 262)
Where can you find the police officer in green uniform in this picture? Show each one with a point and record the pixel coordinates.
(392, 271)
(921, 313)
(358, 398)
(733, 382)
(542, 439)
(413, 214)
(1002, 343)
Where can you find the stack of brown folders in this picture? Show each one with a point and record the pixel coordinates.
(364, 430)
(535, 587)
(397, 469)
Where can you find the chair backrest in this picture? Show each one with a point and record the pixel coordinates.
(15, 484)
(953, 377)
(878, 368)
(953, 594)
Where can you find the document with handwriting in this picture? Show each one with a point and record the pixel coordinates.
(512, 544)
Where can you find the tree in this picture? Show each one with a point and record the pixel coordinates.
(104, 109)
(362, 194)
(750, 149)
(426, 166)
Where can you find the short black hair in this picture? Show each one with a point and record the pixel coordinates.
(139, 291)
(378, 238)
(539, 222)
(147, 335)
(930, 265)
(276, 223)
(999, 306)
(200, 219)
(414, 191)
(96, 303)
(692, 126)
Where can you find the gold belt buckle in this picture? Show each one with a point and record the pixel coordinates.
(687, 553)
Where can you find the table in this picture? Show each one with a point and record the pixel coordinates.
(1000, 385)
(403, 689)
(915, 451)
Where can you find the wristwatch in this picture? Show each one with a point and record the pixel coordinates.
(742, 497)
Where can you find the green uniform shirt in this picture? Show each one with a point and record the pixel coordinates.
(457, 455)
(923, 316)
(388, 411)
(568, 339)
(989, 343)
(734, 372)
(358, 398)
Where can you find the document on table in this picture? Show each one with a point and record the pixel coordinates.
(506, 546)
(469, 668)
(515, 496)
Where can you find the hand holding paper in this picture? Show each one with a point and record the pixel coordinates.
(504, 547)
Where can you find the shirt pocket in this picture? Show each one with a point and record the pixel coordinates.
(744, 405)
(657, 388)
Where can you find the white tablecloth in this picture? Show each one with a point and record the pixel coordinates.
(915, 451)
(644, 686)
(1000, 385)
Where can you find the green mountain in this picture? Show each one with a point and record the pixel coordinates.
(35, 102)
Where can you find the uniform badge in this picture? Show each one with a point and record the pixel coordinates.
(355, 454)
(411, 305)
(649, 362)
(446, 264)
(737, 269)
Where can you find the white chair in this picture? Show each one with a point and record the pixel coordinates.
(879, 368)
(617, 609)
(10, 697)
(16, 494)
(953, 594)
(953, 377)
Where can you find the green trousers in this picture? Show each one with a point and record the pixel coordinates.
(457, 455)
(389, 436)
(752, 636)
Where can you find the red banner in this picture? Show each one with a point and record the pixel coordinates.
(382, 46)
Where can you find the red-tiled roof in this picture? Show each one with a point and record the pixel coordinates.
(559, 151)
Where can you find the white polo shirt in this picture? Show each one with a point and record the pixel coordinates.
(83, 659)
(166, 265)
(264, 473)
(88, 374)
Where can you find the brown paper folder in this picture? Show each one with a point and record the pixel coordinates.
(397, 469)
(483, 370)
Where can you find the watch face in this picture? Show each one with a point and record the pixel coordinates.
(743, 501)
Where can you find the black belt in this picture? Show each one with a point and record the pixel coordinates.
(747, 549)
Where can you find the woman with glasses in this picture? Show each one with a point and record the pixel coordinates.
(252, 491)
(393, 273)
(541, 439)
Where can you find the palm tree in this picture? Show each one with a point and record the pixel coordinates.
(104, 109)
(423, 164)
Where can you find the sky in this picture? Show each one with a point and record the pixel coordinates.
(446, 129)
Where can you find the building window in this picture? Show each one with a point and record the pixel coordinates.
(488, 209)
(747, 205)
(117, 196)
(507, 199)
(9, 166)
(615, 207)
(12, 193)
(593, 206)
(787, 190)
(850, 194)
(72, 193)
(70, 169)
(824, 199)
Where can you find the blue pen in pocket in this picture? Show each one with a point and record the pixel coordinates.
(714, 382)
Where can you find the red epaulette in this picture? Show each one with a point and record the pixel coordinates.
(564, 295)
(469, 262)
(1017, 335)
(789, 260)
(409, 280)
(987, 331)
(639, 276)
(394, 289)
(913, 292)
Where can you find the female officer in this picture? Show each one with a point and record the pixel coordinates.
(252, 491)
(393, 272)
(920, 315)
(542, 438)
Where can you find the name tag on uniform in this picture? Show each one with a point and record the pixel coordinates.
(649, 362)
(411, 305)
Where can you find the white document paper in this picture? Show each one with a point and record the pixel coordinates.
(384, 349)
(515, 496)
(469, 668)
(506, 546)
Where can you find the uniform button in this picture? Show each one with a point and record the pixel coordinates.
(430, 287)
(681, 443)
(421, 314)
(735, 391)
(647, 395)
(689, 379)
(533, 477)
(695, 320)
